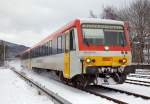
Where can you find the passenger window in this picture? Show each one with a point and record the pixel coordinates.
(40, 50)
(44, 50)
(72, 40)
(50, 45)
(63, 43)
(46, 46)
(67, 42)
(59, 40)
(54, 46)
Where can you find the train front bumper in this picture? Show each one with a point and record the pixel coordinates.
(103, 64)
(112, 61)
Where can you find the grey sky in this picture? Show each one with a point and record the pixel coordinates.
(28, 21)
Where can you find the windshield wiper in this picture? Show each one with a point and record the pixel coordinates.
(85, 40)
(123, 41)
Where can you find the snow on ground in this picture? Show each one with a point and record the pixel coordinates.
(140, 79)
(132, 88)
(16, 64)
(14, 90)
(78, 97)
(73, 95)
(120, 96)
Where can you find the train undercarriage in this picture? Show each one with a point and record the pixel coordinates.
(117, 74)
(91, 77)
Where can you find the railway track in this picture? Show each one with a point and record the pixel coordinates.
(104, 96)
(139, 76)
(94, 93)
(122, 91)
(108, 97)
(137, 82)
(56, 98)
(91, 92)
(59, 99)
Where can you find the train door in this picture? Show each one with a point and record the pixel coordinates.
(67, 55)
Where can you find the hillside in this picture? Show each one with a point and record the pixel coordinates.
(13, 49)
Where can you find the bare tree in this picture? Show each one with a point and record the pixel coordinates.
(138, 16)
(92, 15)
(109, 13)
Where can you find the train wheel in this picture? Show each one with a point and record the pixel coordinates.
(119, 77)
(123, 78)
(79, 81)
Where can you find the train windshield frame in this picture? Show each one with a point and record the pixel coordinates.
(103, 34)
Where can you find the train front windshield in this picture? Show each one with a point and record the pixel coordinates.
(99, 34)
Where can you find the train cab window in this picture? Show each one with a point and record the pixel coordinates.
(72, 40)
(59, 43)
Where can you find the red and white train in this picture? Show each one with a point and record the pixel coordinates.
(84, 50)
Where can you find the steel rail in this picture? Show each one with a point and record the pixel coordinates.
(135, 83)
(138, 81)
(106, 97)
(64, 101)
(122, 91)
(93, 93)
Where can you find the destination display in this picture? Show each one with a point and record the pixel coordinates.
(103, 26)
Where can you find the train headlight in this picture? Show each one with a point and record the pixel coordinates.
(88, 60)
(124, 60)
(106, 48)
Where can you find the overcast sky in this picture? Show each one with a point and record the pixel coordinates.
(28, 21)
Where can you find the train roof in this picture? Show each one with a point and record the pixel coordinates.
(81, 20)
(103, 21)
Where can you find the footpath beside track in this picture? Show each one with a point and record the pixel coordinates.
(56, 98)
